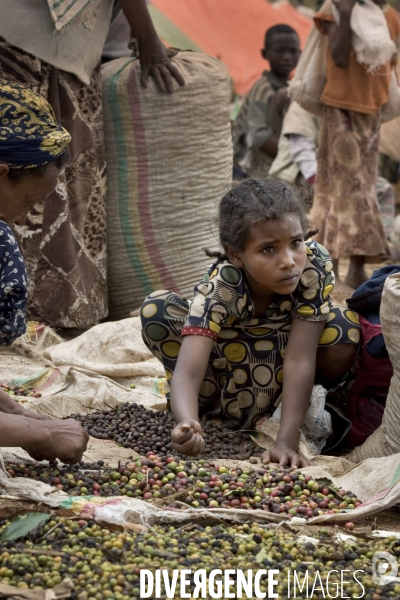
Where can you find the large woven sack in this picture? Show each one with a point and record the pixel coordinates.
(169, 161)
(385, 440)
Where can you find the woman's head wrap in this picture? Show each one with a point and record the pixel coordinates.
(29, 133)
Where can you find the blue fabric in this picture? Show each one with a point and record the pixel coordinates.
(366, 301)
(367, 297)
(13, 288)
(29, 133)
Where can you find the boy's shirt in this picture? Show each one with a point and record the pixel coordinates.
(257, 121)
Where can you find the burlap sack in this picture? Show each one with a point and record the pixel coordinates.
(385, 440)
(169, 161)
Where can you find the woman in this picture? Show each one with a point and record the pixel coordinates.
(33, 150)
(54, 47)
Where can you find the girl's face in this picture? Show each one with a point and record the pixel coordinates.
(19, 196)
(274, 257)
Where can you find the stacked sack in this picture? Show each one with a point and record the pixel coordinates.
(169, 161)
(385, 440)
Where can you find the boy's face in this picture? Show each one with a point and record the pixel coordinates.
(282, 53)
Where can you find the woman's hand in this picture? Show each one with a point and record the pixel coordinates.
(285, 456)
(153, 56)
(66, 440)
(154, 61)
(187, 437)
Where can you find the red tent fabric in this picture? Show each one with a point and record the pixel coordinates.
(233, 30)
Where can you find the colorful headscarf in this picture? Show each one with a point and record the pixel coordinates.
(29, 133)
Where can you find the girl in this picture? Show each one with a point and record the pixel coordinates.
(345, 204)
(259, 327)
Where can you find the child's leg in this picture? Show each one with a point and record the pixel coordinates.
(342, 288)
(162, 315)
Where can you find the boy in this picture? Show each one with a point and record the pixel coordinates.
(257, 128)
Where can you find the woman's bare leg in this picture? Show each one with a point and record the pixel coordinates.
(342, 289)
(356, 275)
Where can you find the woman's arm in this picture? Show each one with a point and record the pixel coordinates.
(153, 56)
(185, 387)
(44, 440)
(340, 35)
(10, 406)
(298, 380)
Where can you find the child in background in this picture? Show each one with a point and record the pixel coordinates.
(260, 327)
(258, 126)
(345, 203)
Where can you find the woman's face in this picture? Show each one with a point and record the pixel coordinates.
(18, 197)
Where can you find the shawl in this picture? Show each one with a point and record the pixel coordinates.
(370, 38)
(63, 12)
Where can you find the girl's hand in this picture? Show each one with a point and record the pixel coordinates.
(187, 437)
(285, 456)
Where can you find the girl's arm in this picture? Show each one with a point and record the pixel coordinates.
(340, 35)
(185, 387)
(298, 380)
(153, 56)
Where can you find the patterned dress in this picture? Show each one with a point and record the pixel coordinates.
(245, 371)
(345, 207)
(13, 290)
(63, 241)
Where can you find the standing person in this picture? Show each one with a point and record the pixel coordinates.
(54, 48)
(33, 151)
(345, 204)
(258, 126)
(261, 327)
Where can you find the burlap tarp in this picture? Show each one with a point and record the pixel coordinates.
(93, 371)
(107, 348)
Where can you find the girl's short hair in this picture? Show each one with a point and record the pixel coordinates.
(254, 201)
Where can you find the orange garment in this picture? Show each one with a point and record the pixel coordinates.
(353, 88)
